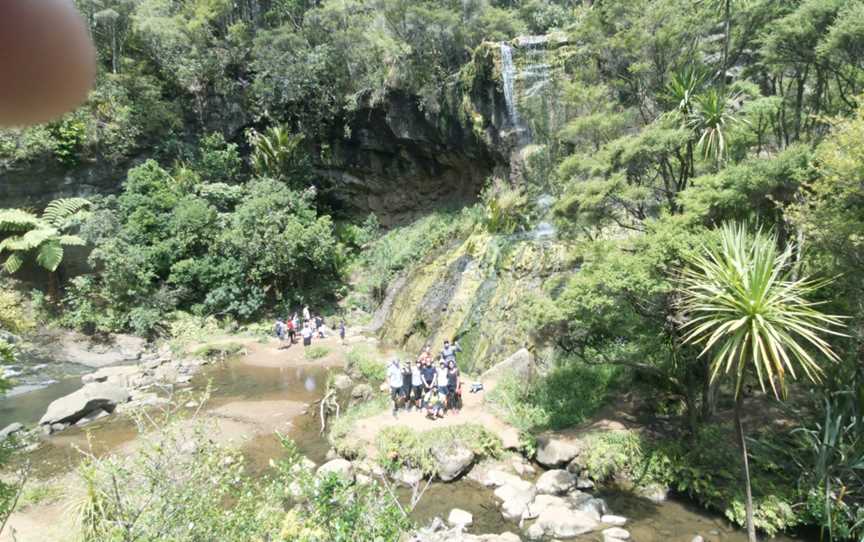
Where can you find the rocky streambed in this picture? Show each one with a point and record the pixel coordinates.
(504, 500)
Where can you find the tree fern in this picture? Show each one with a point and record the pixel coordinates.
(42, 236)
(61, 209)
(50, 255)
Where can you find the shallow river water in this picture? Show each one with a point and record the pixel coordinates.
(672, 521)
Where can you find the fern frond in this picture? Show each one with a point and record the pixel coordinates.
(71, 241)
(13, 263)
(60, 209)
(30, 240)
(50, 255)
(15, 220)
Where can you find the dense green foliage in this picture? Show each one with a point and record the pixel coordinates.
(182, 486)
(663, 120)
(194, 239)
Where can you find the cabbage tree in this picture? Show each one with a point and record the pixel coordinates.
(747, 310)
(40, 237)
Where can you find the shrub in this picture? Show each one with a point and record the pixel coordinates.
(342, 427)
(316, 352)
(362, 360)
(400, 445)
(219, 350)
(565, 396)
(334, 509)
(13, 317)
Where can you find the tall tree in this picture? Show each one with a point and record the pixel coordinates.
(746, 309)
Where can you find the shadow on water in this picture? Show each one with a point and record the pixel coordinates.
(465, 494)
(676, 520)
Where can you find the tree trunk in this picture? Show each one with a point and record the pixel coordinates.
(751, 529)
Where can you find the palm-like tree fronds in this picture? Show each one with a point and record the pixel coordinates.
(745, 307)
(42, 236)
(682, 89)
(713, 110)
(61, 209)
(13, 220)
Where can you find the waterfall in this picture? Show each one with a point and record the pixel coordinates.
(508, 75)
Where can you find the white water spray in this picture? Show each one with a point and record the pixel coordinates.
(508, 75)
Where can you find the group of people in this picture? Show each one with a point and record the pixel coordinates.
(427, 384)
(288, 329)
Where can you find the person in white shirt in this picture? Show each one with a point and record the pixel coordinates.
(394, 378)
(307, 335)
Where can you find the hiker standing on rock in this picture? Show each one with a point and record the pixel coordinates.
(394, 378)
(449, 351)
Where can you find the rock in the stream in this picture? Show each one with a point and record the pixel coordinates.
(610, 519)
(555, 482)
(361, 392)
(121, 375)
(11, 429)
(515, 496)
(407, 476)
(458, 517)
(340, 467)
(559, 521)
(586, 503)
(555, 452)
(614, 534)
(92, 397)
(342, 382)
(77, 348)
(91, 418)
(452, 460)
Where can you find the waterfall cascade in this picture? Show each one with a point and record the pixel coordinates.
(508, 75)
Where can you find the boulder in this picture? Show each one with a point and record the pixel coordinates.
(340, 467)
(498, 478)
(540, 503)
(515, 497)
(362, 392)
(654, 493)
(519, 363)
(77, 348)
(555, 452)
(92, 397)
(584, 483)
(610, 519)
(342, 382)
(408, 476)
(91, 418)
(121, 375)
(459, 517)
(614, 534)
(555, 482)
(452, 460)
(11, 429)
(586, 503)
(510, 439)
(559, 521)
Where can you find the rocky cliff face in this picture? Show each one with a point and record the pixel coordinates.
(476, 289)
(393, 157)
(399, 162)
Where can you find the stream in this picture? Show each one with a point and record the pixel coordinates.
(671, 521)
